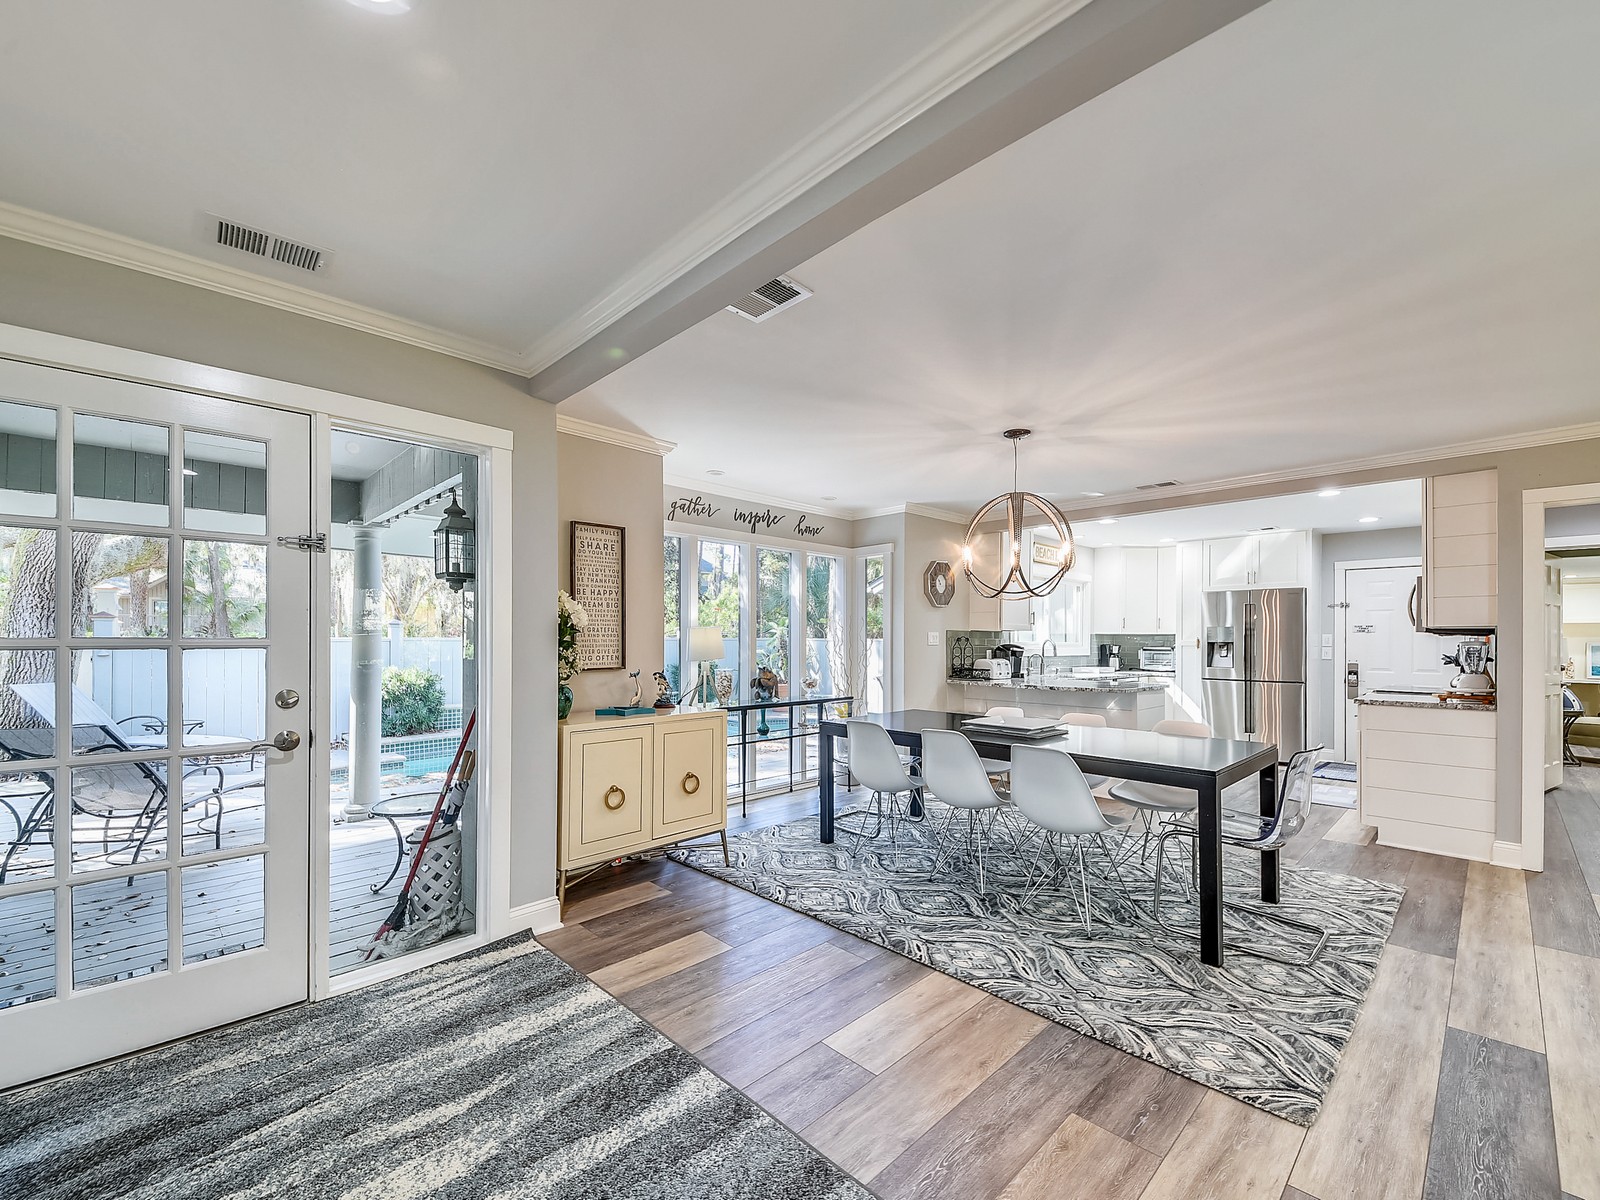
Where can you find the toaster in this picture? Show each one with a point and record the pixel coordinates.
(992, 668)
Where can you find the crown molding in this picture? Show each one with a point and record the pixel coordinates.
(701, 487)
(578, 427)
(57, 233)
(1329, 474)
(981, 43)
(915, 510)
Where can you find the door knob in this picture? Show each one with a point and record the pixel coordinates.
(287, 740)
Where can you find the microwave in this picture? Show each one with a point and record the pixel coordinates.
(1158, 658)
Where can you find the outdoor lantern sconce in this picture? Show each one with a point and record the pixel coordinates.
(454, 546)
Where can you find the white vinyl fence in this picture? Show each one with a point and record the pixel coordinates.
(227, 688)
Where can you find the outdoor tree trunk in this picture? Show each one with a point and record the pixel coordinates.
(219, 596)
(30, 613)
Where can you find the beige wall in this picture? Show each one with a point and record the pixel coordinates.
(616, 486)
(65, 294)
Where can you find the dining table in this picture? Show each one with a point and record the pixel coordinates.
(1207, 766)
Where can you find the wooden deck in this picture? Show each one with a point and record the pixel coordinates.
(119, 929)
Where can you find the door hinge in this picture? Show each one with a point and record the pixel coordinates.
(316, 543)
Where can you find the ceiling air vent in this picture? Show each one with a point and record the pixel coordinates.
(760, 304)
(269, 245)
(1165, 483)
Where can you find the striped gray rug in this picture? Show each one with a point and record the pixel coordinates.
(503, 1073)
(1262, 1032)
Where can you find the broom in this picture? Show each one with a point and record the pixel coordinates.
(397, 918)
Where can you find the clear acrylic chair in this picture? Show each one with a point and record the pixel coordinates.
(954, 773)
(875, 762)
(1052, 795)
(1261, 834)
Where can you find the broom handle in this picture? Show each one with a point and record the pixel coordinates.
(449, 782)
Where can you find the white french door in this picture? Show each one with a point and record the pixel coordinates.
(1380, 641)
(154, 715)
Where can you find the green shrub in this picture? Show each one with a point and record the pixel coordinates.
(413, 701)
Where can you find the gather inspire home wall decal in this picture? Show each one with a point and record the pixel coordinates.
(754, 520)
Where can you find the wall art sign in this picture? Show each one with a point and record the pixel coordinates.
(754, 519)
(597, 583)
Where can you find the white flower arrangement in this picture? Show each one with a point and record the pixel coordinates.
(571, 620)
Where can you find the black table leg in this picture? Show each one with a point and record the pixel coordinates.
(399, 854)
(1210, 814)
(1269, 859)
(825, 782)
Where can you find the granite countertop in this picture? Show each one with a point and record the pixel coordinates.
(1422, 700)
(1127, 682)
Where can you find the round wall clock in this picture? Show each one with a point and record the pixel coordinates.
(939, 583)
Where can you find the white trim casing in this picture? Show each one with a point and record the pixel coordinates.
(596, 432)
(541, 916)
(1508, 854)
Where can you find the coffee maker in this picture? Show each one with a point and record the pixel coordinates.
(1472, 659)
(1108, 655)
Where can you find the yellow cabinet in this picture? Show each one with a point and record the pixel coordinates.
(632, 784)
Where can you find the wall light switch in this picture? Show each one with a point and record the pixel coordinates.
(1327, 640)
(933, 638)
(1327, 652)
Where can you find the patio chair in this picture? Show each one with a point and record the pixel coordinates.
(143, 731)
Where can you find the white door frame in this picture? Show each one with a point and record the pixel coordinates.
(493, 446)
(1534, 503)
(1339, 660)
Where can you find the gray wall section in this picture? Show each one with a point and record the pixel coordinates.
(617, 486)
(1326, 678)
(62, 293)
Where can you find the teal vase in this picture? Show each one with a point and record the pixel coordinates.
(563, 702)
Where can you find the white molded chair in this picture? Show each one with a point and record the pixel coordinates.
(999, 769)
(1088, 721)
(1051, 793)
(875, 762)
(1262, 834)
(952, 771)
(1156, 802)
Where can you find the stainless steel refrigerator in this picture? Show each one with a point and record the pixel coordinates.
(1254, 666)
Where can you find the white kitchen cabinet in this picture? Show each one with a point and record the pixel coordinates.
(1136, 589)
(1427, 779)
(1281, 558)
(1460, 551)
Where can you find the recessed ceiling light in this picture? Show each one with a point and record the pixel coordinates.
(715, 472)
(1168, 539)
(1328, 493)
(1093, 494)
(1108, 520)
(830, 497)
(352, 448)
(387, 7)
(1370, 520)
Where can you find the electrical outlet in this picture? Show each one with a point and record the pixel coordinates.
(933, 638)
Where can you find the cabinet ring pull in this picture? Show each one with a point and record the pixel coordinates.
(622, 798)
(691, 783)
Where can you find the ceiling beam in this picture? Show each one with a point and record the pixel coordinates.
(1099, 46)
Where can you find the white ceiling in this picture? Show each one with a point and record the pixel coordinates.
(1396, 505)
(502, 172)
(1327, 232)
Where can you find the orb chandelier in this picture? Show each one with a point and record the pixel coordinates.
(1015, 584)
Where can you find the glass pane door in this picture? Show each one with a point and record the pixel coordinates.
(153, 852)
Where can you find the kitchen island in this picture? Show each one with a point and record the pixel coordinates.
(1426, 772)
(1127, 699)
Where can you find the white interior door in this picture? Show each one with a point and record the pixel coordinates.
(1381, 641)
(155, 874)
(1553, 767)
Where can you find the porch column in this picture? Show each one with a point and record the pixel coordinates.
(366, 672)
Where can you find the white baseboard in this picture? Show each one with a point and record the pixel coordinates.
(541, 916)
(1507, 854)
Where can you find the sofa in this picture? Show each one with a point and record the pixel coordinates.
(1585, 736)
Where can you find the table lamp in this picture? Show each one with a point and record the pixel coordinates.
(705, 648)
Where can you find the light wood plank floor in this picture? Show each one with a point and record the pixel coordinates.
(1460, 1080)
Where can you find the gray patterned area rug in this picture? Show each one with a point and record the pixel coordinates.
(499, 1074)
(1268, 1034)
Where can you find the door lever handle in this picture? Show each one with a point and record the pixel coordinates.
(286, 740)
